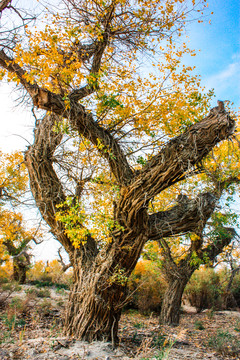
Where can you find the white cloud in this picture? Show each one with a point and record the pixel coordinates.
(226, 82)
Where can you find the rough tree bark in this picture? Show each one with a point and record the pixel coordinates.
(178, 275)
(98, 293)
(170, 310)
(100, 275)
(20, 266)
(20, 258)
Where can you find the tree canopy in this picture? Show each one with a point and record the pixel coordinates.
(124, 120)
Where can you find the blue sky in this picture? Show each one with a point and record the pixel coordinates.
(218, 62)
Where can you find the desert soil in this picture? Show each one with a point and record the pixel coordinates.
(31, 328)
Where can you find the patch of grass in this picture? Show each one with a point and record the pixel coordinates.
(163, 353)
(14, 286)
(45, 308)
(199, 325)
(132, 312)
(6, 336)
(237, 326)
(60, 291)
(39, 284)
(6, 290)
(9, 320)
(224, 343)
(44, 293)
(31, 291)
(138, 325)
(210, 313)
(159, 341)
(16, 303)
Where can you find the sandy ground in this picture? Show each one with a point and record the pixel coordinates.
(31, 328)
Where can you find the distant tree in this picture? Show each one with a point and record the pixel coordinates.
(13, 178)
(15, 241)
(15, 237)
(212, 229)
(113, 136)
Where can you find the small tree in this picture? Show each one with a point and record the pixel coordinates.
(15, 238)
(112, 138)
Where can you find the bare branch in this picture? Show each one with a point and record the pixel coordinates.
(65, 267)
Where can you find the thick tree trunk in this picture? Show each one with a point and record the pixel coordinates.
(100, 274)
(94, 305)
(19, 271)
(178, 275)
(170, 311)
(99, 293)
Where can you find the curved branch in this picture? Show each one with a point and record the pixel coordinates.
(80, 119)
(214, 249)
(189, 215)
(179, 156)
(45, 185)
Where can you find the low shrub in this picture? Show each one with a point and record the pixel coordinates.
(43, 293)
(235, 290)
(6, 290)
(49, 274)
(225, 343)
(146, 287)
(204, 290)
(41, 284)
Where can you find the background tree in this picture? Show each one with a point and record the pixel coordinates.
(15, 236)
(112, 139)
(13, 178)
(15, 240)
(211, 229)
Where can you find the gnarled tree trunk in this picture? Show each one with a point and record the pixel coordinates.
(178, 275)
(100, 275)
(99, 290)
(94, 305)
(19, 270)
(171, 306)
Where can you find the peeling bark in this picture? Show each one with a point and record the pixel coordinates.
(187, 216)
(178, 275)
(170, 310)
(98, 295)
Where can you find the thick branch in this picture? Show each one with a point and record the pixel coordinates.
(45, 185)
(4, 4)
(215, 248)
(179, 156)
(97, 53)
(188, 216)
(83, 122)
(80, 119)
(42, 98)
